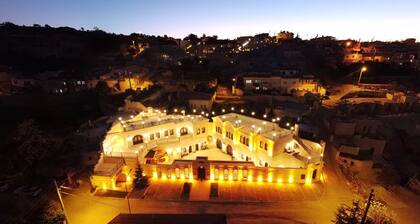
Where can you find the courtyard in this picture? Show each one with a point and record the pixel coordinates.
(231, 191)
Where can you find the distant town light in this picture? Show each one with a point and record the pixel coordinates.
(253, 113)
(212, 113)
(175, 110)
(194, 110)
(287, 124)
(242, 110)
(223, 110)
(232, 108)
(265, 115)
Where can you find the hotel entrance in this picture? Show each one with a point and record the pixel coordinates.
(201, 173)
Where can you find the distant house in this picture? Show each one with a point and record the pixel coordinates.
(286, 84)
(198, 100)
(23, 82)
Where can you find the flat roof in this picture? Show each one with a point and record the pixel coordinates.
(142, 121)
(268, 129)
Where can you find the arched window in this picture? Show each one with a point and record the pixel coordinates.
(183, 131)
(138, 139)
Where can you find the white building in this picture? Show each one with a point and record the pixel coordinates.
(178, 135)
(226, 147)
(289, 84)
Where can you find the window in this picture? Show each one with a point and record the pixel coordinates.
(198, 131)
(261, 144)
(203, 130)
(302, 177)
(166, 133)
(152, 136)
(171, 132)
(157, 134)
(138, 139)
(183, 131)
(265, 146)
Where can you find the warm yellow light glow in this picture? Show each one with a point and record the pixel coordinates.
(104, 187)
(270, 178)
(164, 177)
(128, 178)
(230, 177)
(191, 176)
(221, 177)
(290, 179)
(280, 180)
(173, 177)
(364, 69)
(249, 178)
(253, 113)
(212, 177)
(260, 179)
(155, 175)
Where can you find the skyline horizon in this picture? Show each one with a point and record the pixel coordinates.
(218, 36)
(366, 20)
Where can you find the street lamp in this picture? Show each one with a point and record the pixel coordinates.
(360, 75)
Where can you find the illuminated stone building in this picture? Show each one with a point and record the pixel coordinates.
(230, 146)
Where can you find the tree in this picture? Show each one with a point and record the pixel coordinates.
(140, 181)
(102, 88)
(378, 214)
(31, 143)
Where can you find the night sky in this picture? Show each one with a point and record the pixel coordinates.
(373, 19)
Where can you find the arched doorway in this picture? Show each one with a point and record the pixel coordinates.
(314, 174)
(219, 144)
(201, 173)
(229, 150)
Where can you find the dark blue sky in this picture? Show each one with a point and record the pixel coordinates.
(368, 19)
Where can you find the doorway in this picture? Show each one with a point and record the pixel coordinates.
(219, 144)
(201, 173)
(314, 174)
(229, 150)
